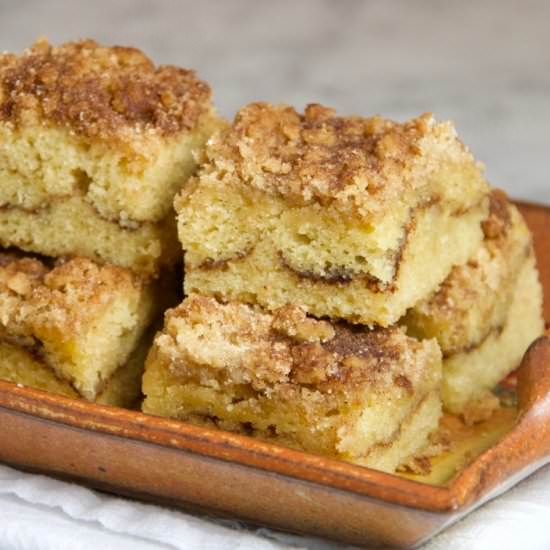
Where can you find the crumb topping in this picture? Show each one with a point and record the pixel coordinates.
(362, 163)
(500, 218)
(99, 92)
(250, 346)
(37, 299)
(292, 321)
(480, 409)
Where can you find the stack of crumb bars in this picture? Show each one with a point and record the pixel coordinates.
(346, 279)
(94, 144)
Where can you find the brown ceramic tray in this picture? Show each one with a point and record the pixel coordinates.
(171, 462)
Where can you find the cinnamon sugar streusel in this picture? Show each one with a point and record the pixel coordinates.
(105, 93)
(361, 165)
(367, 396)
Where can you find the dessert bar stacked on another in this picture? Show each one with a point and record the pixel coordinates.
(94, 144)
(485, 314)
(307, 237)
(354, 218)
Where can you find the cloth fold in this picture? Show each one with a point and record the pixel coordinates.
(39, 513)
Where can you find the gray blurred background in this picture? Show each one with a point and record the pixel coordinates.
(484, 64)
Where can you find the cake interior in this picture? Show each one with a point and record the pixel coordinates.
(71, 226)
(262, 275)
(44, 164)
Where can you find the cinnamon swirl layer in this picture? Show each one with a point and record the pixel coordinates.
(72, 227)
(263, 275)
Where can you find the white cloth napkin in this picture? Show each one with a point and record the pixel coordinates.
(39, 513)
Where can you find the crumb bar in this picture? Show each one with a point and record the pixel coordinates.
(469, 376)
(348, 392)
(352, 218)
(81, 320)
(94, 143)
(486, 313)
(474, 299)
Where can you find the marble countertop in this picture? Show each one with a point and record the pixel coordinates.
(485, 65)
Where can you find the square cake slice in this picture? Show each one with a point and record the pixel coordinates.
(80, 320)
(348, 392)
(351, 218)
(486, 313)
(94, 144)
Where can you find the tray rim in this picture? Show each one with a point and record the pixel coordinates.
(456, 497)
(515, 453)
